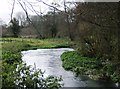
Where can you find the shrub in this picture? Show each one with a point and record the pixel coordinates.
(27, 77)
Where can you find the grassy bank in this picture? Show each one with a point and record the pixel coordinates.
(12, 47)
(96, 69)
(11, 59)
(37, 43)
(81, 65)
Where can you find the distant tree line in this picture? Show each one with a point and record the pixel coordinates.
(94, 26)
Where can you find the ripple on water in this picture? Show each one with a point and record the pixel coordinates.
(49, 61)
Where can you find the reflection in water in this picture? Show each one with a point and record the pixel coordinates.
(48, 60)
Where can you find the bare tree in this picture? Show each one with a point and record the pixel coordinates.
(55, 6)
(68, 23)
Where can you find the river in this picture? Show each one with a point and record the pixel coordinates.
(48, 60)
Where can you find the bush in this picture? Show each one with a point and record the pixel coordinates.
(26, 77)
(75, 62)
(10, 57)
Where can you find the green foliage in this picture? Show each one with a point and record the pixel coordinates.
(26, 77)
(17, 74)
(98, 37)
(93, 67)
(10, 57)
(14, 46)
(75, 62)
(116, 77)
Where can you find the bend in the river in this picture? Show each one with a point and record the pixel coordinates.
(49, 61)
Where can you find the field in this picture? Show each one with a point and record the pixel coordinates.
(35, 43)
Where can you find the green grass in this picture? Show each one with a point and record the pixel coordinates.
(37, 43)
(12, 47)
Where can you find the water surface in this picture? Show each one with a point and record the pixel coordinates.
(48, 60)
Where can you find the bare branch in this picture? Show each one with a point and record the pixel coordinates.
(49, 5)
(25, 10)
(32, 8)
(12, 9)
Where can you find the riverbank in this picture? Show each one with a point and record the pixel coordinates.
(81, 65)
(11, 59)
(94, 68)
(37, 43)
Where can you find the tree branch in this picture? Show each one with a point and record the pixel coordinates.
(28, 17)
(12, 9)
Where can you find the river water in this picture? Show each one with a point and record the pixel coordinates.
(48, 60)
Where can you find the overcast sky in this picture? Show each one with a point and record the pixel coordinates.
(6, 7)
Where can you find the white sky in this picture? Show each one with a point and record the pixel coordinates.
(6, 7)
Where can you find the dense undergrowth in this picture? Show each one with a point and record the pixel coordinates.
(93, 67)
(15, 73)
